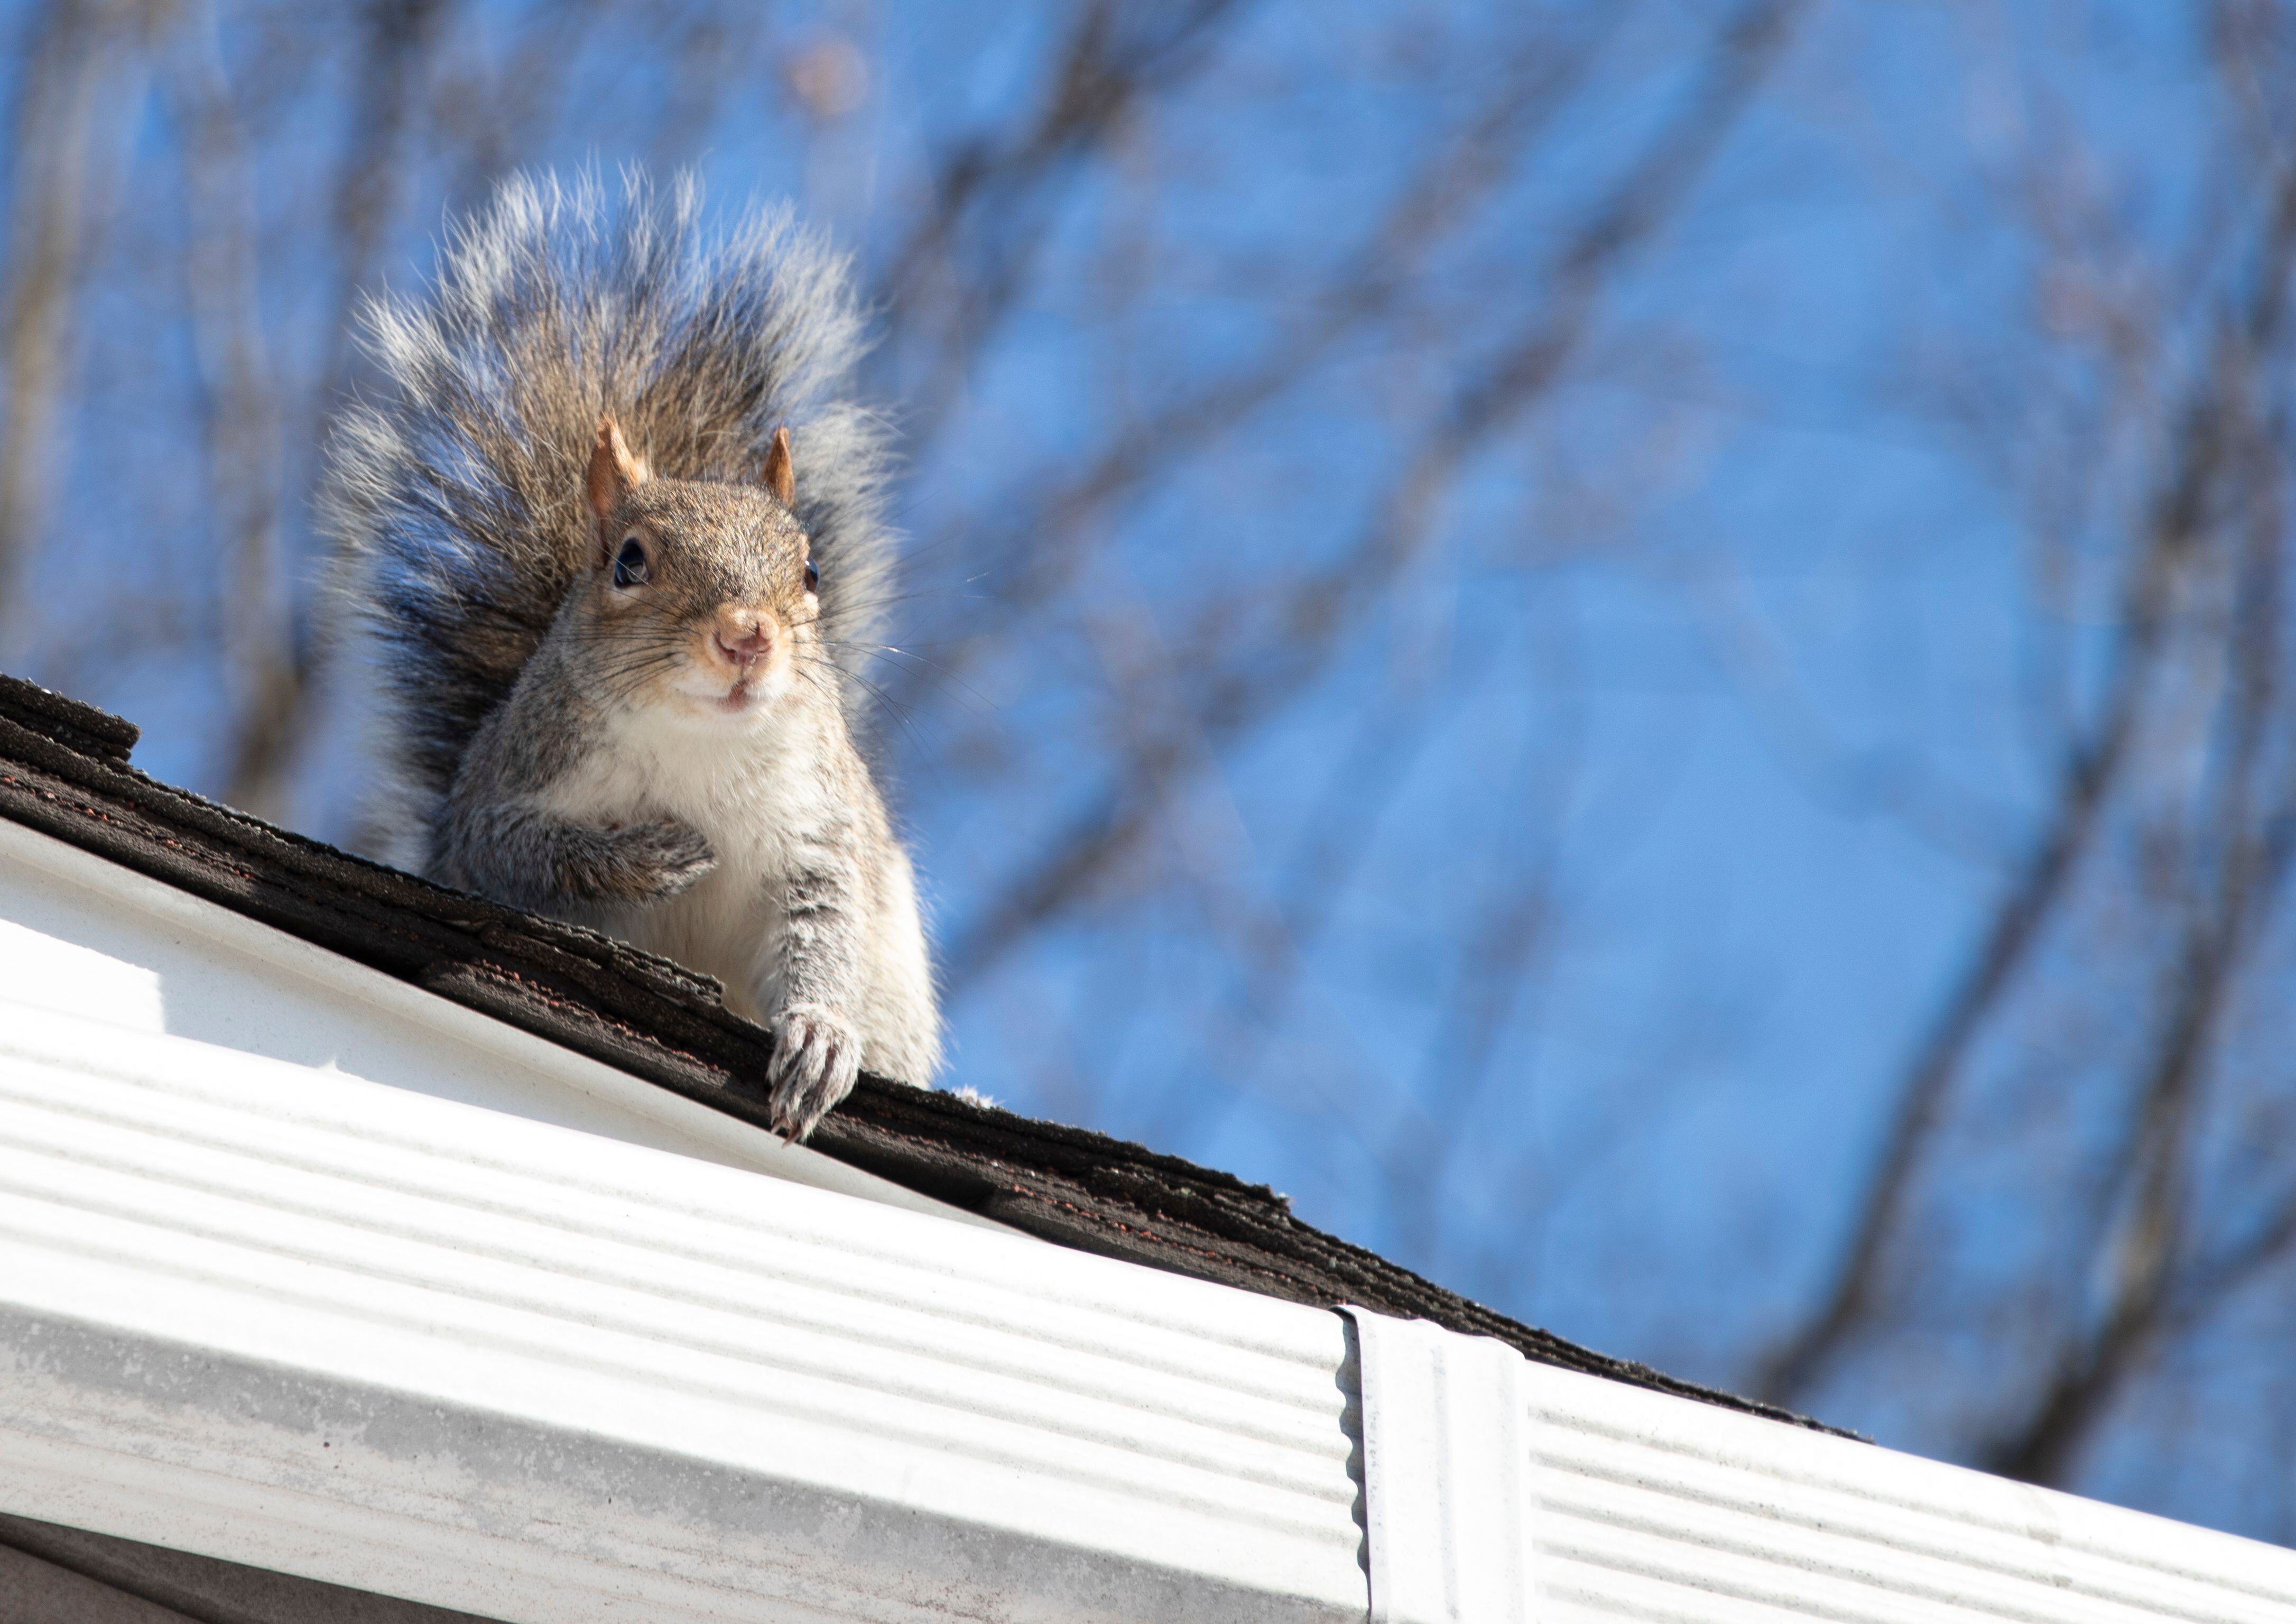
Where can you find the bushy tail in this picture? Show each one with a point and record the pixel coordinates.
(456, 498)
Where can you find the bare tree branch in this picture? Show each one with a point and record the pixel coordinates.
(965, 261)
(1240, 693)
(392, 63)
(2187, 504)
(2142, 1252)
(277, 670)
(74, 49)
(1034, 555)
(2251, 848)
(240, 412)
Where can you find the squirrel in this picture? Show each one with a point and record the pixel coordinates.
(618, 541)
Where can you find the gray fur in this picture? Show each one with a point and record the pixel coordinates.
(457, 497)
(546, 741)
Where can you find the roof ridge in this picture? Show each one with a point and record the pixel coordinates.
(64, 769)
(73, 722)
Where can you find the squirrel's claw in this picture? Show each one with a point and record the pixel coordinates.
(817, 1056)
(659, 859)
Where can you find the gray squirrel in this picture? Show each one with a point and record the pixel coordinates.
(619, 541)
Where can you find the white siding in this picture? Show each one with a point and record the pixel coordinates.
(298, 1319)
(304, 1268)
(1650, 1508)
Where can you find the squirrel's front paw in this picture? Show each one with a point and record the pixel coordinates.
(659, 859)
(817, 1056)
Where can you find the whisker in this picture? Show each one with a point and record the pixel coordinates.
(942, 677)
(899, 712)
(887, 601)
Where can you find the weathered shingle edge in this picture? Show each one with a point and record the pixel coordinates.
(64, 771)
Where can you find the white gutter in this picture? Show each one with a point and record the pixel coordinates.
(307, 1322)
(431, 1342)
(1624, 1503)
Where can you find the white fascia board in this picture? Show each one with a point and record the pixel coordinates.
(301, 1320)
(1498, 1491)
(303, 1267)
(1649, 1507)
(81, 935)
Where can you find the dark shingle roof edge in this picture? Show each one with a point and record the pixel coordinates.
(64, 771)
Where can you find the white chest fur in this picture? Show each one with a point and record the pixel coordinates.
(755, 791)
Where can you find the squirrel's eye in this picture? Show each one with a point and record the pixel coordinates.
(630, 564)
(812, 577)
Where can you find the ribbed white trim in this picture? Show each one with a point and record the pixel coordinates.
(1445, 1465)
(290, 1318)
(1655, 1508)
(1643, 1507)
(304, 1268)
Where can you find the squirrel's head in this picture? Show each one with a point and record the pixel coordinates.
(709, 591)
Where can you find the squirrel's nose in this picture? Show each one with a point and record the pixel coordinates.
(744, 642)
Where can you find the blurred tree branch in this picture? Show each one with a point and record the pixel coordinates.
(967, 256)
(1240, 689)
(2217, 528)
(1036, 553)
(238, 406)
(2248, 846)
(76, 46)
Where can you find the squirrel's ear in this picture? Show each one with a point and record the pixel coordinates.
(614, 472)
(781, 474)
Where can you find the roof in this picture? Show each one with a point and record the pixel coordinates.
(65, 770)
